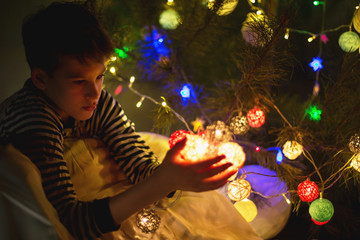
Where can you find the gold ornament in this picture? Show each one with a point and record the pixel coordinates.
(354, 143)
(355, 163)
(255, 29)
(292, 149)
(356, 20)
(147, 221)
(198, 124)
(239, 189)
(239, 125)
(227, 7)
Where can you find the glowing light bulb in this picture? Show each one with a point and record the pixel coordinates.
(258, 12)
(132, 80)
(257, 149)
(286, 199)
(113, 58)
(170, 2)
(140, 102)
(310, 39)
(316, 64)
(113, 70)
(287, 34)
(185, 91)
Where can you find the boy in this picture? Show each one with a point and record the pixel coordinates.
(67, 50)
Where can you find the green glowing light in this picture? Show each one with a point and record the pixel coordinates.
(314, 113)
(122, 54)
(317, 3)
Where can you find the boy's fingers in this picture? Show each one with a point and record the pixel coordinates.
(179, 146)
(207, 163)
(216, 181)
(214, 170)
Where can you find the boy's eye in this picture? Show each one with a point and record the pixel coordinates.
(100, 76)
(79, 81)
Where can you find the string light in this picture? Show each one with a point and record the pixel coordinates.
(316, 64)
(113, 70)
(287, 33)
(310, 39)
(140, 102)
(317, 3)
(132, 80)
(170, 2)
(314, 113)
(286, 199)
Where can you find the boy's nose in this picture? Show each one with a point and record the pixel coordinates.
(93, 91)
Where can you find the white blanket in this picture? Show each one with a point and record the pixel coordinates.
(26, 214)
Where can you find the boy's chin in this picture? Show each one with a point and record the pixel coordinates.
(83, 117)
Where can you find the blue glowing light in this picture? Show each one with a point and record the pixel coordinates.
(279, 154)
(316, 64)
(154, 48)
(185, 91)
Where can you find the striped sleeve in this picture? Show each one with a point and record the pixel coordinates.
(130, 152)
(36, 130)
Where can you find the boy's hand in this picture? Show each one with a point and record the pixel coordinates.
(179, 174)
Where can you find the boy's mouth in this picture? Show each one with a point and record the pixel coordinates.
(90, 108)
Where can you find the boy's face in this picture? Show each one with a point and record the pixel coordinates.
(75, 87)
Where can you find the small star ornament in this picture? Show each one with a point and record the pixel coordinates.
(198, 124)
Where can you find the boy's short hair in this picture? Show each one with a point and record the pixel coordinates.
(64, 29)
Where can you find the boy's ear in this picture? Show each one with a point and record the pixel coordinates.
(39, 77)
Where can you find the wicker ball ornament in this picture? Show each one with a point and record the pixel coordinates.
(349, 41)
(321, 210)
(354, 143)
(239, 189)
(197, 148)
(308, 191)
(218, 132)
(169, 19)
(255, 117)
(147, 221)
(239, 125)
(292, 149)
(355, 163)
(177, 137)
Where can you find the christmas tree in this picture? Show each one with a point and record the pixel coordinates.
(282, 77)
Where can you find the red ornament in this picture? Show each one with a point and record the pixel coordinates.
(177, 136)
(319, 223)
(308, 191)
(255, 117)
